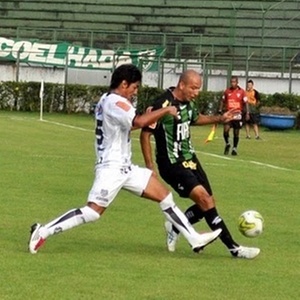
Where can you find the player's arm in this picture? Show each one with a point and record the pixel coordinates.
(228, 116)
(149, 118)
(257, 97)
(222, 103)
(145, 141)
(245, 99)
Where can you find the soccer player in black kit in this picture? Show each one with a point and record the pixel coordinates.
(177, 162)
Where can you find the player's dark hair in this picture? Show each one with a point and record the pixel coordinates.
(250, 81)
(128, 72)
(235, 78)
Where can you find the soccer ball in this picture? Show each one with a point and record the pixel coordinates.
(251, 223)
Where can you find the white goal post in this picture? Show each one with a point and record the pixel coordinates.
(41, 100)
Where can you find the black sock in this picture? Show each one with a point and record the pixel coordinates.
(194, 214)
(214, 221)
(235, 141)
(226, 137)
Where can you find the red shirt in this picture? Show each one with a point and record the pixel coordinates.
(234, 98)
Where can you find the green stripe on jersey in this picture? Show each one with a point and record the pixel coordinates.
(177, 133)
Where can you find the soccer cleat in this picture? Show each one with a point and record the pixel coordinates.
(172, 236)
(205, 239)
(245, 252)
(234, 152)
(248, 137)
(227, 148)
(35, 241)
(257, 137)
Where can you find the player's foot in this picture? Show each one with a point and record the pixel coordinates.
(35, 241)
(205, 239)
(245, 252)
(257, 137)
(248, 137)
(172, 236)
(227, 148)
(234, 152)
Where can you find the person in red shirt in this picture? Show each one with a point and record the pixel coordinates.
(234, 98)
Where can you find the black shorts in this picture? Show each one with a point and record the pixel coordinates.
(254, 118)
(185, 176)
(236, 124)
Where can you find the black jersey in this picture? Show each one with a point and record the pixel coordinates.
(173, 143)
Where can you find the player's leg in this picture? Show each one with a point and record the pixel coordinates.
(236, 136)
(226, 129)
(183, 179)
(75, 217)
(199, 195)
(247, 127)
(145, 184)
(197, 185)
(206, 206)
(255, 128)
(255, 125)
(101, 195)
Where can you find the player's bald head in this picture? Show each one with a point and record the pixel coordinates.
(188, 86)
(189, 76)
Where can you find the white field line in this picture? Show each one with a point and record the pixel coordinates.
(248, 161)
(68, 126)
(201, 152)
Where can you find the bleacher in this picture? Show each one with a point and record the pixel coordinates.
(223, 31)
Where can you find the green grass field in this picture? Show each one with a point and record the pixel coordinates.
(47, 168)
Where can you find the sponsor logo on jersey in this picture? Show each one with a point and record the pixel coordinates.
(189, 165)
(123, 105)
(183, 131)
(166, 103)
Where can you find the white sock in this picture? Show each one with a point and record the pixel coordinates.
(70, 219)
(178, 219)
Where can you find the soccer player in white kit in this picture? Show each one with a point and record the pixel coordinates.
(115, 118)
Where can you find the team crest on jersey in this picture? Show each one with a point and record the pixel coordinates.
(238, 94)
(104, 193)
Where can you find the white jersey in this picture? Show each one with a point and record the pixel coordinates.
(114, 115)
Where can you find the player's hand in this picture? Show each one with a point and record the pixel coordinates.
(172, 110)
(149, 109)
(152, 168)
(232, 114)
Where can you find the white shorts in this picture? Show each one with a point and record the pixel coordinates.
(109, 180)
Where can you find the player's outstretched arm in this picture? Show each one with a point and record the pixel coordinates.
(226, 117)
(145, 141)
(149, 118)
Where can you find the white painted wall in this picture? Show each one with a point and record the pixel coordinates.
(268, 83)
(31, 73)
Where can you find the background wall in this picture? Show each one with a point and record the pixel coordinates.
(249, 37)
